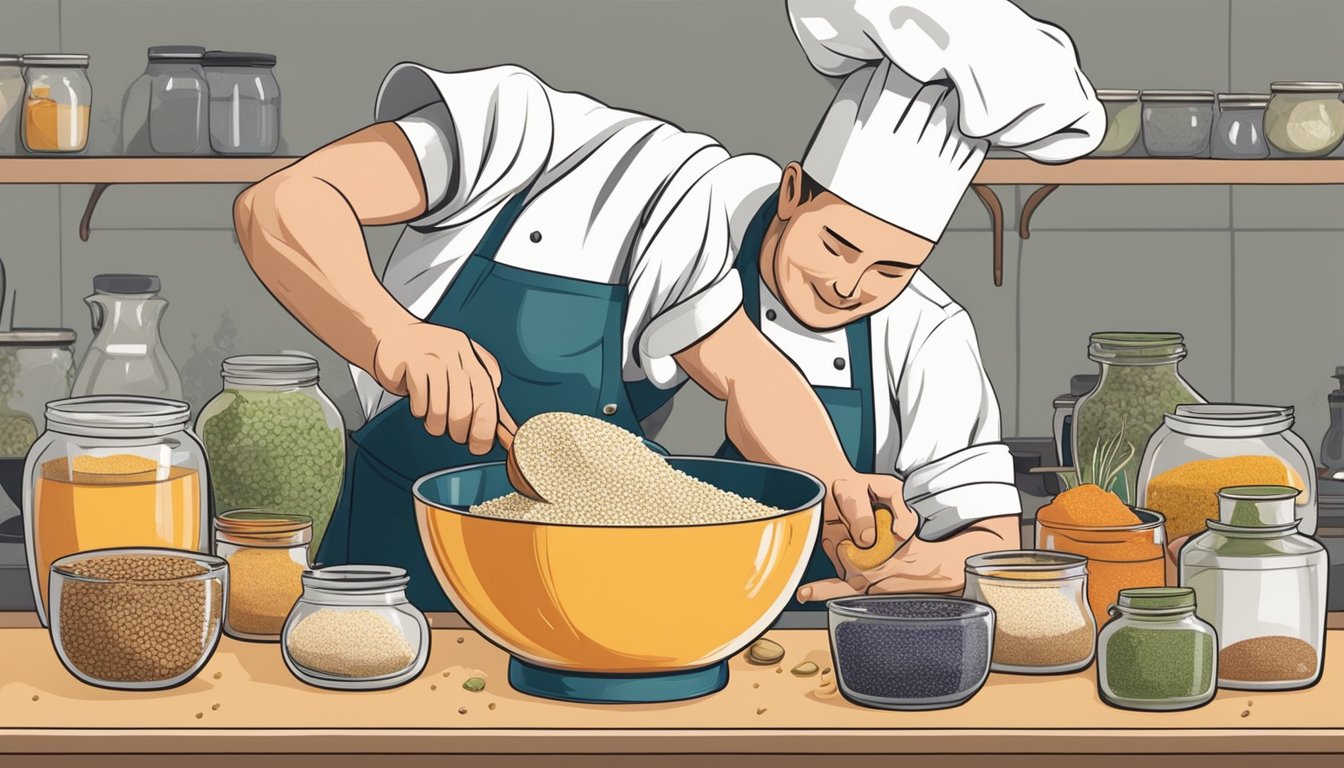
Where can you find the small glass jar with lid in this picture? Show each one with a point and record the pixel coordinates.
(1304, 119)
(354, 629)
(11, 102)
(112, 471)
(1201, 448)
(267, 553)
(1177, 123)
(1239, 133)
(1262, 586)
(1156, 654)
(1043, 624)
(57, 102)
(244, 102)
(1122, 122)
(166, 110)
(36, 366)
(1140, 383)
(275, 440)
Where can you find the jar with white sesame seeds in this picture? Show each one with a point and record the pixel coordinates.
(1043, 624)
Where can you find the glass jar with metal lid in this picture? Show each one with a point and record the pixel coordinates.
(58, 99)
(1262, 586)
(1305, 119)
(1201, 448)
(1177, 123)
(11, 102)
(166, 110)
(37, 366)
(1043, 624)
(1239, 133)
(1156, 654)
(112, 471)
(354, 629)
(244, 102)
(267, 553)
(1122, 122)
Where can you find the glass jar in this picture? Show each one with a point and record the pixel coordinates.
(1262, 586)
(36, 366)
(11, 102)
(112, 472)
(165, 111)
(1122, 122)
(1156, 654)
(57, 103)
(353, 629)
(244, 103)
(275, 440)
(267, 553)
(1304, 119)
(1042, 623)
(1140, 383)
(1177, 123)
(1239, 133)
(1201, 448)
(1118, 557)
(127, 356)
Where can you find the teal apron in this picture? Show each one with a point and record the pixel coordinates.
(850, 408)
(559, 345)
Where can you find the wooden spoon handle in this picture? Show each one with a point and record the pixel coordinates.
(505, 437)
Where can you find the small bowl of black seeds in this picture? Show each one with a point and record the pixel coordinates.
(910, 652)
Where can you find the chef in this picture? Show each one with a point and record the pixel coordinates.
(562, 254)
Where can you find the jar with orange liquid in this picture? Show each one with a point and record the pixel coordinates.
(1118, 556)
(57, 103)
(112, 472)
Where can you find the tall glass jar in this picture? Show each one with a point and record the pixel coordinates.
(36, 366)
(1042, 621)
(267, 553)
(1156, 654)
(11, 102)
(244, 103)
(275, 440)
(166, 110)
(354, 629)
(112, 472)
(1305, 119)
(1262, 585)
(1201, 448)
(56, 108)
(1140, 383)
(1239, 133)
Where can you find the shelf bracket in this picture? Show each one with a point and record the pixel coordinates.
(995, 208)
(94, 197)
(1029, 207)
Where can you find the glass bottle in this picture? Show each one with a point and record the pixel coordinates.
(1304, 119)
(1332, 446)
(1140, 383)
(1262, 586)
(59, 98)
(127, 355)
(1156, 654)
(267, 553)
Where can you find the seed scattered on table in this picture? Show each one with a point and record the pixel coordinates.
(765, 652)
(199, 715)
(761, 711)
(804, 669)
(433, 687)
(214, 708)
(474, 684)
(462, 710)
(753, 685)
(461, 640)
(218, 675)
(492, 705)
(826, 671)
(36, 697)
(1246, 713)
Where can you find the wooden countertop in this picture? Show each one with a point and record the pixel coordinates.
(764, 715)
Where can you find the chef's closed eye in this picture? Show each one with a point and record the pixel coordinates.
(894, 269)
(838, 245)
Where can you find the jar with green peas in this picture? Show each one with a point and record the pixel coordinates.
(274, 440)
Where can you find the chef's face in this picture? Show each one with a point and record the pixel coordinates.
(834, 263)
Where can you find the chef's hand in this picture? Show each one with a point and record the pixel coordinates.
(452, 382)
(848, 514)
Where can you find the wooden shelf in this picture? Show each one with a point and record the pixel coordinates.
(139, 170)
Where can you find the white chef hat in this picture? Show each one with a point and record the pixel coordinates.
(890, 146)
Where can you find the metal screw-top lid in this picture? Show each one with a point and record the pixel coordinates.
(37, 337)
(273, 370)
(1257, 506)
(1157, 598)
(238, 59)
(55, 59)
(175, 52)
(1243, 100)
(1117, 94)
(133, 285)
(1136, 348)
(1304, 86)
(1174, 95)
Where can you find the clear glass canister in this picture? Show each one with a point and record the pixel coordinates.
(1305, 119)
(275, 440)
(11, 102)
(1177, 123)
(244, 103)
(36, 367)
(1042, 621)
(57, 102)
(1156, 654)
(1262, 585)
(1202, 448)
(127, 356)
(166, 110)
(112, 472)
(1119, 557)
(1122, 122)
(1239, 133)
(1140, 383)
(267, 553)
(354, 629)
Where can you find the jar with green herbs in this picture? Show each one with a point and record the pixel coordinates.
(1155, 654)
(1140, 383)
(274, 440)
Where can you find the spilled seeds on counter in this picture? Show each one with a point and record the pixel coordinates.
(462, 710)
(760, 711)
(765, 652)
(492, 705)
(804, 669)
(474, 684)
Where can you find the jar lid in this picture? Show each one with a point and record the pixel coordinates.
(126, 284)
(1117, 94)
(116, 415)
(1305, 86)
(356, 578)
(278, 370)
(1258, 506)
(1029, 565)
(161, 52)
(1243, 100)
(37, 337)
(238, 59)
(1172, 95)
(55, 59)
(1231, 419)
(1157, 598)
(1141, 348)
(265, 527)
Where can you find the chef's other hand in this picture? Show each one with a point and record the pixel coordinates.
(451, 381)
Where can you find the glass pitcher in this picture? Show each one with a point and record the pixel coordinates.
(127, 356)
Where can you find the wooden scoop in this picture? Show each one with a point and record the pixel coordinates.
(516, 478)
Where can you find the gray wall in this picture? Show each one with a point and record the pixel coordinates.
(1248, 274)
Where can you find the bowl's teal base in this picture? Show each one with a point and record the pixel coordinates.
(596, 688)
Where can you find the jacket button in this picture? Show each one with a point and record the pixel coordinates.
(769, 314)
(535, 237)
(839, 363)
(609, 409)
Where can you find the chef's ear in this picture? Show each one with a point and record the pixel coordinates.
(791, 190)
